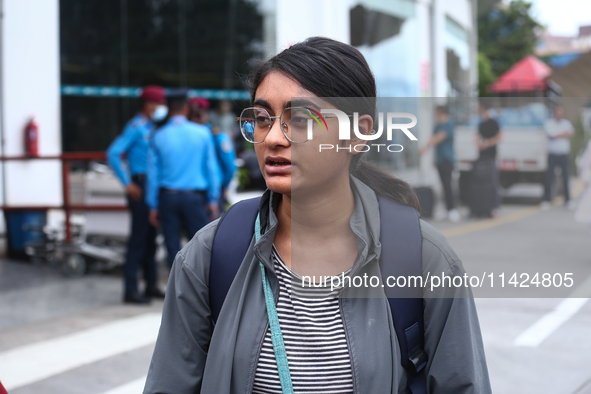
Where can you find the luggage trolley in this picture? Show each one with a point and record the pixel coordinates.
(93, 239)
(100, 243)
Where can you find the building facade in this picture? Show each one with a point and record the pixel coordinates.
(77, 66)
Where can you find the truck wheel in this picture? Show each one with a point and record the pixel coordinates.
(74, 265)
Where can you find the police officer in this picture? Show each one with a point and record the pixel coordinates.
(224, 148)
(183, 185)
(134, 143)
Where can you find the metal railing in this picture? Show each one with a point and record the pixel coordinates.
(67, 206)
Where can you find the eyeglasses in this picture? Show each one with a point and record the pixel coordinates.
(255, 123)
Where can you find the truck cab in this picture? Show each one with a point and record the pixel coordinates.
(521, 154)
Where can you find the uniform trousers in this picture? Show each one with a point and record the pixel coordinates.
(553, 162)
(141, 246)
(181, 210)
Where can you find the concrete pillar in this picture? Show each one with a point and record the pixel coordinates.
(30, 85)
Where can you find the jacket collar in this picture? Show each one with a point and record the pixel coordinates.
(267, 209)
(364, 222)
(177, 120)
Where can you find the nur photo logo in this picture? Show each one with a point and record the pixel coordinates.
(345, 129)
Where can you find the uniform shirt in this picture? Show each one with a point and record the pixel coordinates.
(225, 155)
(558, 146)
(134, 142)
(182, 157)
(445, 150)
(224, 149)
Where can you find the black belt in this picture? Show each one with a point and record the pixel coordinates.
(138, 177)
(190, 191)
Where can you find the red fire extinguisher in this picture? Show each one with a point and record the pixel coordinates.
(32, 139)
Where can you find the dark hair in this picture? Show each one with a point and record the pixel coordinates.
(442, 109)
(176, 104)
(332, 69)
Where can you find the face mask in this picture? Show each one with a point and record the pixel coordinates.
(159, 113)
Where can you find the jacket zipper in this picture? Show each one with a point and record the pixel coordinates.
(348, 344)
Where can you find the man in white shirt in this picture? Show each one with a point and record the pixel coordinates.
(559, 132)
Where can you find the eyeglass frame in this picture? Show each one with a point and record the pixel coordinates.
(280, 125)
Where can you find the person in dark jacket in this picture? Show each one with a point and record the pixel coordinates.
(319, 216)
(488, 137)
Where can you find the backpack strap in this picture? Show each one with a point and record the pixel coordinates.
(236, 228)
(401, 239)
(399, 223)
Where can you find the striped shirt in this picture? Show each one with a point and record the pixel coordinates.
(314, 336)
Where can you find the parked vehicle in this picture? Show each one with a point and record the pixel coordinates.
(521, 155)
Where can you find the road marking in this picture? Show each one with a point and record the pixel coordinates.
(515, 216)
(30, 363)
(542, 329)
(133, 387)
(550, 322)
(488, 223)
(584, 388)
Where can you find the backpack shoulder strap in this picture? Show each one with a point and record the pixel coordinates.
(236, 228)
(401, 239)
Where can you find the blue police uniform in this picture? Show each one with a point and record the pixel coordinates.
(141, 247)
(182, 179)
(226, 156)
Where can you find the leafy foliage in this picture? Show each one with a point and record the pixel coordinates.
(486, 74)
(506, 34)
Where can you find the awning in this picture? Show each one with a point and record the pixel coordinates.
(528, 74)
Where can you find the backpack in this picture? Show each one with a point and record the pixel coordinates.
(398, 221)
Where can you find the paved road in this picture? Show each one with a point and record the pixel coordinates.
(70, 336)
(533, 345)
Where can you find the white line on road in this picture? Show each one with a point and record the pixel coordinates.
(567, 308)
(30, 363)
(542, 329)
(133, 387)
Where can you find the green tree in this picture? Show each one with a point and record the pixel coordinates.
(506, 34)
(486, 74)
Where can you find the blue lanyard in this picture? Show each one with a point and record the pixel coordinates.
(276, 335)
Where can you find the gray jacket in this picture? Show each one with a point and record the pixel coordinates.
(191, 357)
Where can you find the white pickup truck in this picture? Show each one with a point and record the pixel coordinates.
(521, 155)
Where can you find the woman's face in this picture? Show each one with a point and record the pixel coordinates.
(289, 167)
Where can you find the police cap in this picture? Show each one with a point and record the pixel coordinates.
(177, 95)
(199, 103)
(153, 93)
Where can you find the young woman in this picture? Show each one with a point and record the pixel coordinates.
(319, 216)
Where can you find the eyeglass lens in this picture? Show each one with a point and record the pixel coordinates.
(255, 123)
